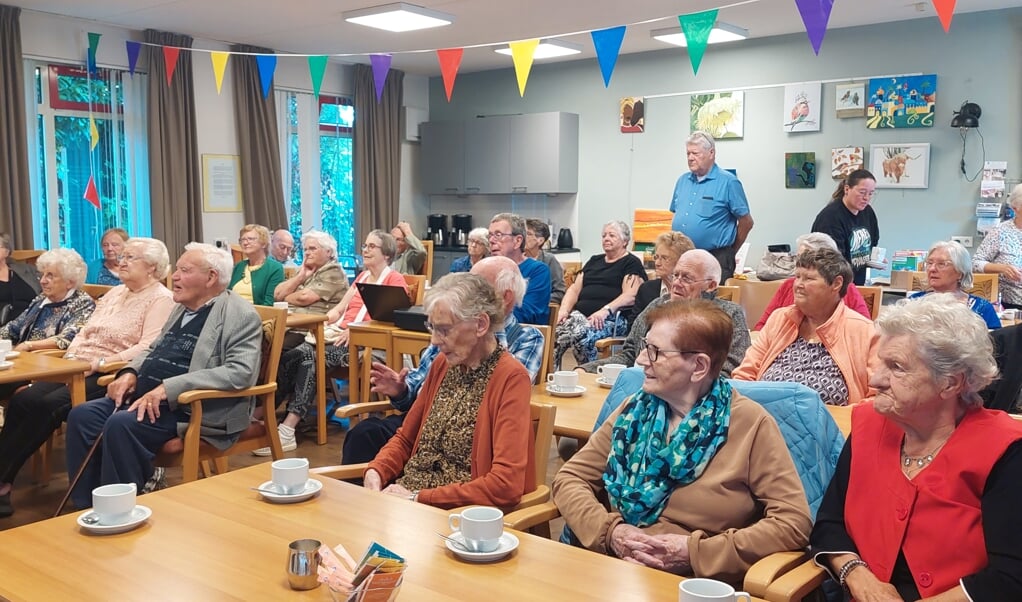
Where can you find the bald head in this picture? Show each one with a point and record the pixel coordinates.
(504, 275)
(282, 245)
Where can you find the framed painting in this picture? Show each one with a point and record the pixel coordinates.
(721, 115)
(632, 115)
(800, 170)
(901, 102)
(801, 111)
(904, 165)
(845, 160)
(850, 100)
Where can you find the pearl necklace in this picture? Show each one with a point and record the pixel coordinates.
(919, 461)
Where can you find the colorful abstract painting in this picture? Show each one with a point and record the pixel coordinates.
(800, 170)
(801, 112)
(633, 115)
(901, 102)
(845, 160)
(721, 115)
(850, 100)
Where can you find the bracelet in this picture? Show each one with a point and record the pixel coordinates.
(847, 568)
(610, 310)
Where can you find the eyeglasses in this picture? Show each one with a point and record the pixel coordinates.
(653, 352)
(864, 193)
(659, 257)
(128, 258)
(245, 239)
(370, 246)
(940, 265)
(689, 280)
(493, 235)
(441, 331)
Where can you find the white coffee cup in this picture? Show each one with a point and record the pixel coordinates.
(1009, 314)
(610, 372)
(290, 474)
(480, 526)
(709, 590)
(280, 305)
(6, 346)
(563, 380)
(113, 503)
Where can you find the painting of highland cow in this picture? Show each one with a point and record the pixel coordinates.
(900, 165)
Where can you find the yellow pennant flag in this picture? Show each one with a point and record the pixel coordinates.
(521, 53)
(219, 64)
(93, 134)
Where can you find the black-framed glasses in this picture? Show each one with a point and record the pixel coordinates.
(653, 352)
(493, 235)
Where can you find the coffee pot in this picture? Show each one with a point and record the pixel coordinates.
(565, 239)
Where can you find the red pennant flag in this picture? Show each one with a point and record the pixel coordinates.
(91, 194)
(945, 10)
(450, 60)
(170, 58)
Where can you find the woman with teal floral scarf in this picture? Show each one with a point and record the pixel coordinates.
(687, 476)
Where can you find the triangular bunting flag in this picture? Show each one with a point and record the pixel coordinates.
(381, 67)
(815, 15)
(267, 64)
(945, 10)
(170, 58)
(133, 50)
(93, 134)
(91, 194)
(219, 64)
(521, 54)
(317, 67)
(608, 44)
(93, 44)
(450, 60)
(696, 28)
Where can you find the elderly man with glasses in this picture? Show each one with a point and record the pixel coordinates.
(507, 239)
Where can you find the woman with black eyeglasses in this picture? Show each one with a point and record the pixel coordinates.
(687, 476)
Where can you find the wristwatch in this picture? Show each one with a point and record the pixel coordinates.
(101, 362)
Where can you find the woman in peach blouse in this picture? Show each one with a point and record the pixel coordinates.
(126, 320)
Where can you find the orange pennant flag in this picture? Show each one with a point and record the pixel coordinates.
(450, 60)
(945, 10)
(219, 64)
(521, 53)
(170, 58)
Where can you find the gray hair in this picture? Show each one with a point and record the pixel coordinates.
(5, 241)
(466, 296)
(703, 139)
(68, 262)
(815, 240)
(622, 229)
(324, 240)
(830, 264)
(1015, 198)
(707, 263)
(960, 260)
(511, 280)
(516, 222)
(481, 235)
(218, 260)
(154, 253)
(948, 337)
(388, 245)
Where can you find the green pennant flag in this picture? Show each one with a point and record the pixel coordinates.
(317, 66)
(696, 28)
(93, 45)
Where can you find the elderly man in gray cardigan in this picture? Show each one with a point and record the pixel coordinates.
(212, 340)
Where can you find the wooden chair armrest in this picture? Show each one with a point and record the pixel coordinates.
(105, 380)
(797, 583)
(198, 394)
(535, 497)
(609, 342)
(49, 352)
(768, 569)
(113, 367)
(527, 518)
(343, 472)
(356, 409)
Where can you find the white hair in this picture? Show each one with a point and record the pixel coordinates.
(218, 260)
(324, 240)
(154, 253)
(816, 240)
(68, 262)
(703, 139)
(706, 262)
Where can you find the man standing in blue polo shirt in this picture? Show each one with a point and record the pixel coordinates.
(709, 204)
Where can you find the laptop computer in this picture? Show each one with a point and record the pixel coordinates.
(381, 300)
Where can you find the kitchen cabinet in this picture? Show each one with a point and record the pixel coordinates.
(486, 155)
(443, 165)
(545, 153)
(442, 262)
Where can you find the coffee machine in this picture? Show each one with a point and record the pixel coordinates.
(461, 226)
(437, 229)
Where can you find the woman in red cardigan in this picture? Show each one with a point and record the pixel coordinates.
(468, 438)
(923, 504)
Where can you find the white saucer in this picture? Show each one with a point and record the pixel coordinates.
(139, 515)
(13, 354)
(5, 365)
(603, 383)
(312, 487)
(576, 392)
(508, 544)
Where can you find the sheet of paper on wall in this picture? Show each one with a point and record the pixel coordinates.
(985, 224)
(995, 170)
(878, 268)
(991, 189)
(988, 209)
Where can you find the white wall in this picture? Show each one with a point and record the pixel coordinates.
(622, 172)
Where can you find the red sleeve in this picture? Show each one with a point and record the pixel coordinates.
(854, 301)
(782, 298)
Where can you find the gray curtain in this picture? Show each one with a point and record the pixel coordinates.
(256, 120)
(175, 173)
(15, 190)
(377, 154)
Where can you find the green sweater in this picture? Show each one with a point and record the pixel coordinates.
(264, 279)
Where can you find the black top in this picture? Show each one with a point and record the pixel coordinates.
(1002, 530)
(855, 234)
(16, 292)
(648, 291)
(601, 282)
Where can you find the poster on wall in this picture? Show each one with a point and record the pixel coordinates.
(632, 115)
(721, 115)
(801, 107)
(800, 170)
(850, 100)
(901, 102)
(900, 165)
(845, 160)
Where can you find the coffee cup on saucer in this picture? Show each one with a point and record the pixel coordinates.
(480, 527)
(113, 503)
(610, 372)
(290, 475)
(709, 590)
(563, 381)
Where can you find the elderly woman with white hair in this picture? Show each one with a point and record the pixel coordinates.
(949, 270)
(596, 305)
(785, 295)
(1001, 253)
(924, 500)
(317, 286)
(478, 248)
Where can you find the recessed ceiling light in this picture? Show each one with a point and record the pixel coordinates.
(398, 17)
(721, 32)
(548, 49)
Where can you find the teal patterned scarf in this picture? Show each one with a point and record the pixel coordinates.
(646, 462)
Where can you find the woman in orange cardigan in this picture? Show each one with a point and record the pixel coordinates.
(468, 438)
(818, 342)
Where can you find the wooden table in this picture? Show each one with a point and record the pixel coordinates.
(214, 539)
(33, 366)
(314, 324)
(575, 415)
(370, 335)
(409, 342)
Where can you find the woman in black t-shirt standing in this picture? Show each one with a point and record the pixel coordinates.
(851, 222)
(19, 283)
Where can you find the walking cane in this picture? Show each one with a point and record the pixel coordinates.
(78, 475)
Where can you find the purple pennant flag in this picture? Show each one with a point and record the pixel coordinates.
(608, 44)
(815, 15)
(133, 50)
(381, 66)
(267, 64)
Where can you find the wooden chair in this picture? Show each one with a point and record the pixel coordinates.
(729, 293)
(96, 290)
(236, 254)
(874, 296)
(754, 297)
(984, 285)
(29, 256)
(416, 287)
(357, 411)
(427, 266)
(548, 352)
(571, 269)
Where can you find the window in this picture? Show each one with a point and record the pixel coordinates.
(60, 147)
(316, 160)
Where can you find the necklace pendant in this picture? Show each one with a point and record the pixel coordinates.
(921, 462)
(908, 461)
